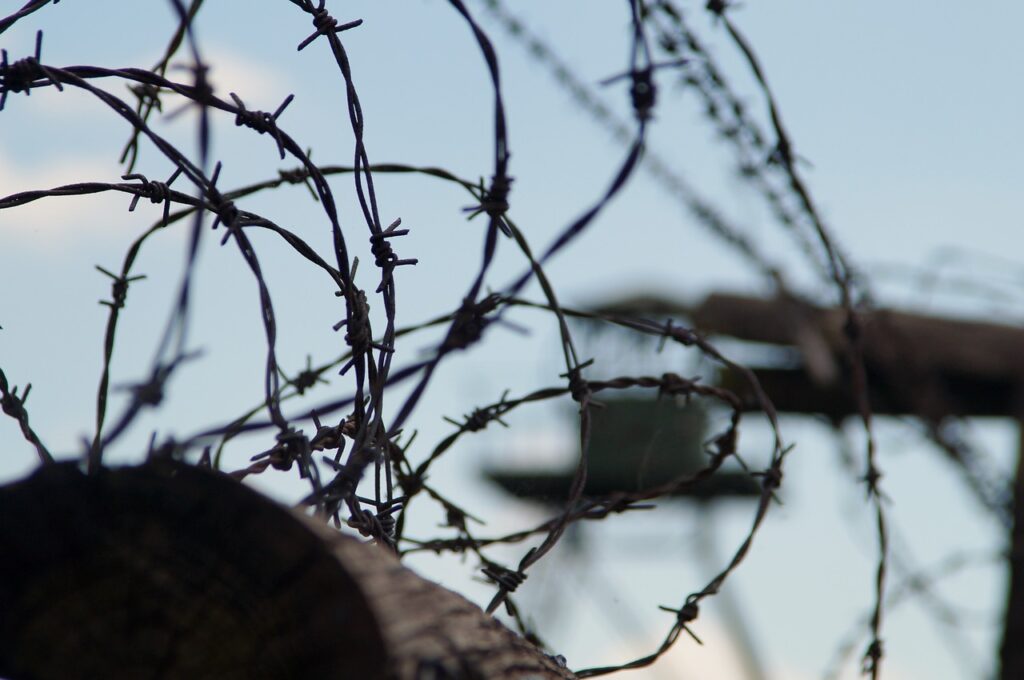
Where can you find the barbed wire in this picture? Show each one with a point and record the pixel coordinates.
(361, 428)
(676, 186)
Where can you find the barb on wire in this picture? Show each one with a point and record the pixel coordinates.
(325, 24)
(156, 192)
(13, 405)
(384, 254)
(21, 75)
(261, 121)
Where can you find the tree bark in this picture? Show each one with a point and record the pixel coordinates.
(171, 571)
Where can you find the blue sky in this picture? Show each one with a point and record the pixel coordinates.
(907, 115)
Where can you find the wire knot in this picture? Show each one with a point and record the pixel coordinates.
(151, 393)
(579, 388)
(480, 418)
(380, 525)
(154, 192)
(771, 478)
(643, 93)
(147, 92)
(305, 379)
(225, 209)
(326, 436)
(411, 484)
(325, 24)
(689, 612)
(21, 74)
(717, 7)
(675, 384)
(359, 336)
(384, 255)
(477, 420)
(469, 322)
(507, 579)
(362, 521)
(294, 175)
(723, 444)
(686, 615)
(388, 523)
(227, 214)
(872, 656)
(872, 477)
(493, 201)
(261, 121)
(12, 404)
(119, 288)
(292, 445)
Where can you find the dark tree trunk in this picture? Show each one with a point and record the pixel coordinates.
(171, 571)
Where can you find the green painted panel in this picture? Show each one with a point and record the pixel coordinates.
(642, 442)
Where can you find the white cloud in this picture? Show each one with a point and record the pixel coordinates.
(260, 85)
(59, 223)
(62, 223)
